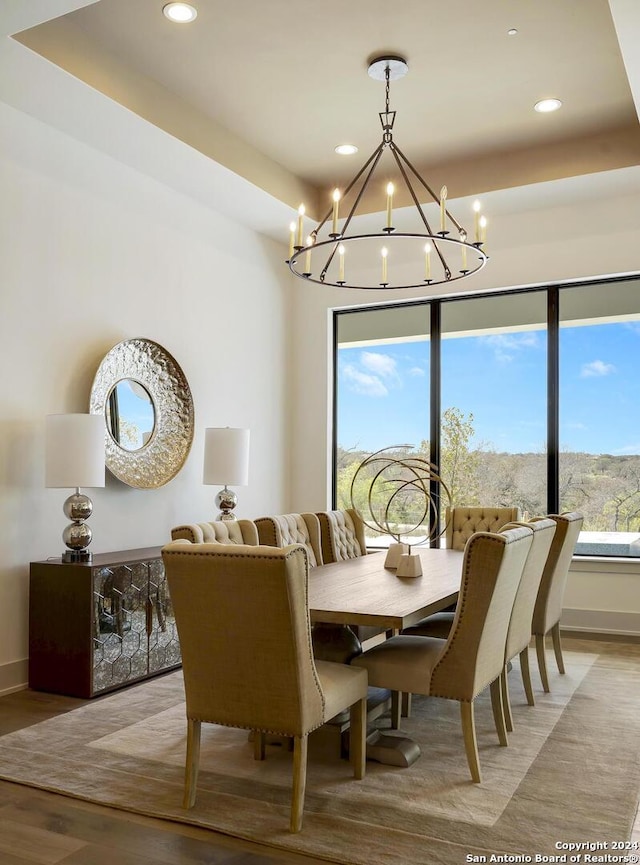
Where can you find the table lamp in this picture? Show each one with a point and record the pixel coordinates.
(75, 458)
(226, 461)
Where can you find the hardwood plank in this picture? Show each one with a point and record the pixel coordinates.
(35, 844)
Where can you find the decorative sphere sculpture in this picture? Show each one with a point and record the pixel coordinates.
(395, 492)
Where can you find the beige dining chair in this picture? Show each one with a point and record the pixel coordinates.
(263, 678)
(217, 532)
(548, 608)
(472, 657)
(342, 535)
(462, 522)
(519, 633)
(285, 529)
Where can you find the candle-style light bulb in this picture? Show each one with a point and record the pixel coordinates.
(300, 224)
(384, 252)
(427, 261)
(292, 238)
(307, 257)
(336, 200)
(476, 219)
(390, 191)
(443, 209)
(483, 229)
(341, 263)
(463, 240)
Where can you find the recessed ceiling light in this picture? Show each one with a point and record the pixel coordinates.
(546, 105)
(346, 149)
(180, 13)
(512, 32)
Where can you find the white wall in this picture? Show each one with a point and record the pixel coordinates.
(535, 245)
(91, 253)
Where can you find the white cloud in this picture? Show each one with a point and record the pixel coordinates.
(361, 382)
(380, 364)
(416, 370)
(505, 345)
(628, 449)
(596, 368)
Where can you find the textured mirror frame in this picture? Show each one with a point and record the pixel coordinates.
(166, 451)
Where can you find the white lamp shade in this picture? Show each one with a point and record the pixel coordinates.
(74, 450)
(226, 456)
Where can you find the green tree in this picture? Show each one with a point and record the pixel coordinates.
(459, 463)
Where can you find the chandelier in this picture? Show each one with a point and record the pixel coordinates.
(413, 255)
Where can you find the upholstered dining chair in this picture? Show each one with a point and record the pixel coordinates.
(342, 535)
(285, 529)
(519, 633)
(548, 608)
(263, 678)
(218, 532)
(472, 657)
(462, 522)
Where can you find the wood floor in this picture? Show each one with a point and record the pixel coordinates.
(40, 827)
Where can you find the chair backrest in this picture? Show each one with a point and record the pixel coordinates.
(473, 655)
(548, 609)
(286, 529)
(261, 677)
(461, 523)
(519, 633)
(342, 535)
(218, 532)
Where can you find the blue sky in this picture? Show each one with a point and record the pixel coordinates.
(501, 379)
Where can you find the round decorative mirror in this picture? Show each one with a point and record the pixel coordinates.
(146, 402)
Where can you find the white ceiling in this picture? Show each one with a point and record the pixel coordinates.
(267, 89)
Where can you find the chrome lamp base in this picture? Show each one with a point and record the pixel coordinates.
(226, 500)
(77, 535)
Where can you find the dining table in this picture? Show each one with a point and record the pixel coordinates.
(362, 591)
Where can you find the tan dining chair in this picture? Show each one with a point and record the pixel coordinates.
(548, 608)
(472, 657)
(342, 535)
(217, 532)
(462, 522)
(263, 678)
(519, 633)
(285, 529)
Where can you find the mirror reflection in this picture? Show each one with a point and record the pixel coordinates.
(130, 414)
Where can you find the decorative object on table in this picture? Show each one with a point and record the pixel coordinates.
(409, 254)
(226, 461)
(145, 402)
(397, 490)
(74, 458)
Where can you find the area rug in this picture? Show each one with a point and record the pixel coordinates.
(571, 773)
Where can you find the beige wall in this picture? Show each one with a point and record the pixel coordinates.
(91, 253)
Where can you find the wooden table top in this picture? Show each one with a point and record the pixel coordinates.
(363, 592)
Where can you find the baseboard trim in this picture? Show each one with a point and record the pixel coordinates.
(14, 677)
(603, 622)
(602, 636)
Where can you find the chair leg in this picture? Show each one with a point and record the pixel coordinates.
(258, 745)
(191, 765)
(498, 711)
(358, 738)
(470, 743)
(526, 675)
(300, 748)
(506, 702)
(542, 662)
(557, 646)
(396, 709)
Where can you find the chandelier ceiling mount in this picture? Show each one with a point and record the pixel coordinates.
(413, 257)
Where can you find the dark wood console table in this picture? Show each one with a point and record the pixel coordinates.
(100, 625)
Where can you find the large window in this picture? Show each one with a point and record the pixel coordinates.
(528, 398)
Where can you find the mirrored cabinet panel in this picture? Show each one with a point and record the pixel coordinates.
(95, 627)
